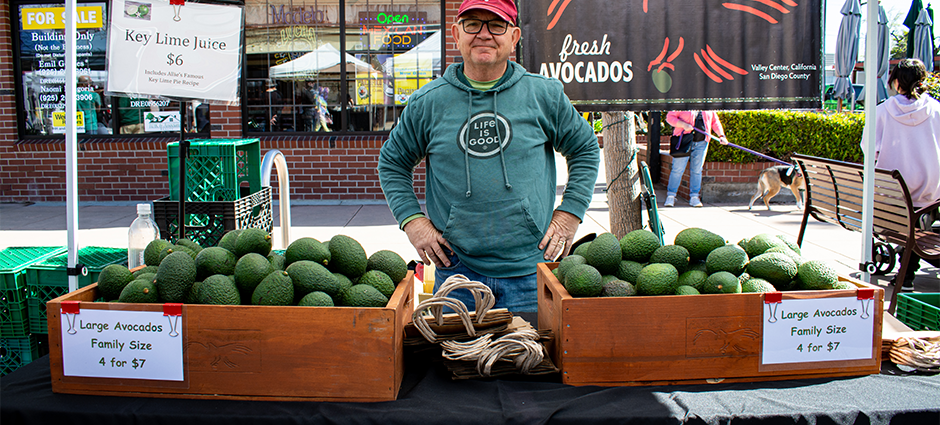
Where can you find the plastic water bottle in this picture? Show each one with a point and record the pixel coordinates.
(142, 231)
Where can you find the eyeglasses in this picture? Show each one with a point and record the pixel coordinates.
(494, 26)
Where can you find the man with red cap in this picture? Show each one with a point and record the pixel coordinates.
(487, 131)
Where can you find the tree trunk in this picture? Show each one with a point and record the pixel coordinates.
(622, 172)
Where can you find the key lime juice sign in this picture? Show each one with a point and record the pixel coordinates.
(189, 51)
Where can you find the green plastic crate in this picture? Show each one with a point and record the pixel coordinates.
(14, 315)
(207, 222)
(16, 352)
(48, 279)
(216, 169)
(921, 312)
(14, 260)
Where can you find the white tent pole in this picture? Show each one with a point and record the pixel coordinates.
(71, 139)
(871, 92)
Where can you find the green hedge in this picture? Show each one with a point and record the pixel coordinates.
(780, 133)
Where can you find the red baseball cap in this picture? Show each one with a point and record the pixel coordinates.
(505, 9)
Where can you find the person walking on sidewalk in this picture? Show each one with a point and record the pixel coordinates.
(487, 130)
(683, 122)
(907, 139)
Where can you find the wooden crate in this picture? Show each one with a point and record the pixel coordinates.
(630, 341)
(293, 353)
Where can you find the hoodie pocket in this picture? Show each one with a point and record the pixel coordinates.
(502, 229)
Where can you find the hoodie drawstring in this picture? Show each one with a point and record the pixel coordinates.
(466, 149)
(499, 137)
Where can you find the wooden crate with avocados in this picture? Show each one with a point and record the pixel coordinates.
(692, 312)
(257, 324)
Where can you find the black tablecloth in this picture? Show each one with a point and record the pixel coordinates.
(429, 396)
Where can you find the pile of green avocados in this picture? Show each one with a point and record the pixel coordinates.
(243, 270)
(698, 262)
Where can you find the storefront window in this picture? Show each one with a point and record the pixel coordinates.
(41, 66)
(300, 79)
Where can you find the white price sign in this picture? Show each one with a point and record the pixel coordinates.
(190, 51)
(122, 344)
(817, 330)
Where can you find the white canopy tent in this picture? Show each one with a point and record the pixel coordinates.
(323, 59)
(423, 60)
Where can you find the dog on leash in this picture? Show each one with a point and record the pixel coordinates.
(775, 178)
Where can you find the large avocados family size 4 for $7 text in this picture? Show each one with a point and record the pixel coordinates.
(242, 269)
(699, 262)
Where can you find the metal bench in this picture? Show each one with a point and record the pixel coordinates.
(834, 195)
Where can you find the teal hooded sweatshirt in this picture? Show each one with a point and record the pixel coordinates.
(491, 181)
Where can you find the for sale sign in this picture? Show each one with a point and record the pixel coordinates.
(677, 54)
(187, 51)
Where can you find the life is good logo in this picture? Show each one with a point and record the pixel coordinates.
(485, 134)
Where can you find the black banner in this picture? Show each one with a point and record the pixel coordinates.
(677, 54)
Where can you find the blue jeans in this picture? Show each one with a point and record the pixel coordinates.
(517, 294)
(699, 149)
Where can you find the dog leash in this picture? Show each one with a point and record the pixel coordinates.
(743, 148)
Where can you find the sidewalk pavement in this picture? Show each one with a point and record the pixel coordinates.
(373, 225)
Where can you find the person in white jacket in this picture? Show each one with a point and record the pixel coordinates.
(907, 139)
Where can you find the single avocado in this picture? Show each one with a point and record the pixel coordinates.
(347, 256)
(308, 249)
(188, 243)
(152, 252)
(364, 296)
(657, 279)
(605, 254)
(176, 275)
(583, 280)
(253, 240)
(214, 260)
(112, 280)
(676, 255)
(139, 291)
(700, 242)
(618, 288)
(250, 270)
(228, 240)
(390, 263)
(316, 299)
(309, 276)
(639, 245)
(275, 289)
(379, 280)
(218, 289)
(729, 258)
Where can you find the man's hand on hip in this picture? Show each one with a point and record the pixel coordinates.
(428, 241)
(560, 234)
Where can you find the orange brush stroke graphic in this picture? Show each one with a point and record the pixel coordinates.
(678, 49)
(551, 7)
(561, 10)
(725, 63)
(666, 65)
(774, 5)
(750, 10)
(698, 60)
(661, 55)
(716, 67)
(790, 3)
